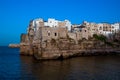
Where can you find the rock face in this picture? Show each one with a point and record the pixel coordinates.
(65, 48)
(45, 42)
(14, 45)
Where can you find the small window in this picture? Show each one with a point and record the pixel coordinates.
(85, 30)
(100, 28)
(55, 34)
(48, 34)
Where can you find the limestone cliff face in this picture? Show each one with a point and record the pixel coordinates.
(53, 49)
(44, 42)
(65, 48)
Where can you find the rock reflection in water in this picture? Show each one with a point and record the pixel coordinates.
(81, 68)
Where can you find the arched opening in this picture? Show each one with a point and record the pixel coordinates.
(55, 34)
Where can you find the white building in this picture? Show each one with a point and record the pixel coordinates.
(36, 23)
(115, 27)
(100, 28)
(51, 23)
(93, 28)
(68, 25)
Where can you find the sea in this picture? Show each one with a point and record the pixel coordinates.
(14, 66)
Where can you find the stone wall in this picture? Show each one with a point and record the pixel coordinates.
(85, 33)
(49, 33)
(61, 24)
(72, 35)
(66, 48)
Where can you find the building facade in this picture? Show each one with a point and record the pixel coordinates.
(54, 29)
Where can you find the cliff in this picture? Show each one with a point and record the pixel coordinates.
(44, 42)
(65, 48)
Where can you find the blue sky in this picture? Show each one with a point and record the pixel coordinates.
(16, 14)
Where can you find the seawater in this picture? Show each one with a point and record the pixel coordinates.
(13, 66)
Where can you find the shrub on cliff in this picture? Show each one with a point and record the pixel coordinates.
(103, 39)
(109, 43)
(100, 37)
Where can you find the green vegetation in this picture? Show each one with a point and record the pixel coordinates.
(109, 43)
(103, 39)
(116, 41)
(100, 37)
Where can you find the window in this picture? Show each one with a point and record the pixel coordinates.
(55, 34)
(50, 21)
(100, 28)
(106, 27)
(85, 30)
(48, 34)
